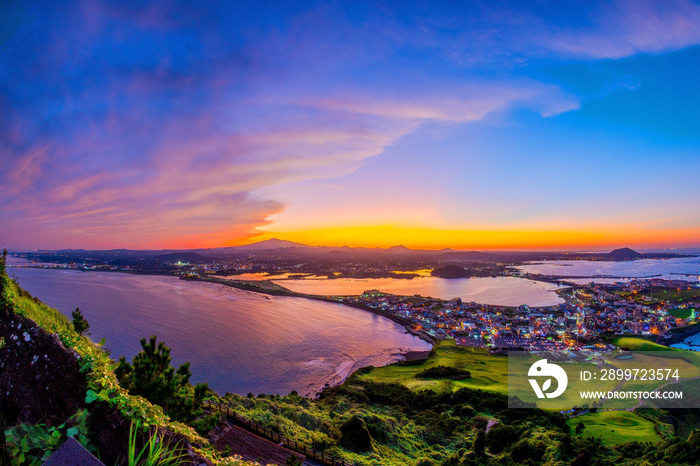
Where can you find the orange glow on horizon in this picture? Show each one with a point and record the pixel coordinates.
(426, 238)
(384, 236)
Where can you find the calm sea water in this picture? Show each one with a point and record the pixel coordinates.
(668, 268)
(235, 340)
(502, 291)
(691, 343)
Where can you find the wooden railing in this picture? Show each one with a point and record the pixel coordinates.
(274, 436)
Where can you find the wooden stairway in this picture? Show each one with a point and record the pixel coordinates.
(251, 447)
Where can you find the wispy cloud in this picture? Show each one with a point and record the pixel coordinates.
(461, 103)
(135, 149)
(128, 124)
(627, 27)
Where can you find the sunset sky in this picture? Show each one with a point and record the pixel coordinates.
(472, 125)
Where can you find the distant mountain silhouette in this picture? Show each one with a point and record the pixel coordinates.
(624, 254)
(273, 243)
(401, 249)
(344, 251)
(339, 253)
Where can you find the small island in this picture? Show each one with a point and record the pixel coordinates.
(451, 271)
(624, 254)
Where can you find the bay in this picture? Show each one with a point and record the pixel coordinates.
(500, 291)
(682, 268)
(237, 341)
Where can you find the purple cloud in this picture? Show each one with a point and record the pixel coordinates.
(144, 125)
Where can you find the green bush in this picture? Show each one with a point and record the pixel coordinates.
(355, 436)
(206, 423)
(7, 295)
(151, 376)
(79, 323)
(31, 445)
(444, 372)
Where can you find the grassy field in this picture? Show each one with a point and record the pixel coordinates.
(676, 295)
(614, 427)
(489, 371)
(680, 313)
(639, 344)
(673, 296)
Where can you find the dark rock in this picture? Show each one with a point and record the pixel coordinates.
(109, 432)
(40, 379)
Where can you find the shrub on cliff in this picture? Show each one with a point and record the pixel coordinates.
(80, 324)
(151, 376)
(7, 297)
(444, 372)
(355, 435)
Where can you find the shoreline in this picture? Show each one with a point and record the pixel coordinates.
(408, 356)
(277, 290)
(392, 357)
(683, 334)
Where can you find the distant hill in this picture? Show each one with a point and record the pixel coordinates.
(624, 254)
(450, 271)
(189, 257)
(273, 243)
(399, 250)
(338, 253)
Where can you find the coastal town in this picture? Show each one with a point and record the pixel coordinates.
(592, 312)
(589, 313)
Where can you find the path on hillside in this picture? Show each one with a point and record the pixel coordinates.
(251, 447)
(247, 438)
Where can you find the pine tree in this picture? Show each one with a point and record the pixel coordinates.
(79, 323)
(151, 376)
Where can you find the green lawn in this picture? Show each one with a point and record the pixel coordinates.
(676, 295)
(614, 427)
(639, 344)
(489, 371)
(680, 313)
(662, 295)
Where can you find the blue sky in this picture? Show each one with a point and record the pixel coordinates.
(464, 124)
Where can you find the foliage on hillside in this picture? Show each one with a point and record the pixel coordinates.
(103, 386)
(7, 291)
(404, 426)
(379, 415)
(152, 377)
(446, 425)
(443, 372)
